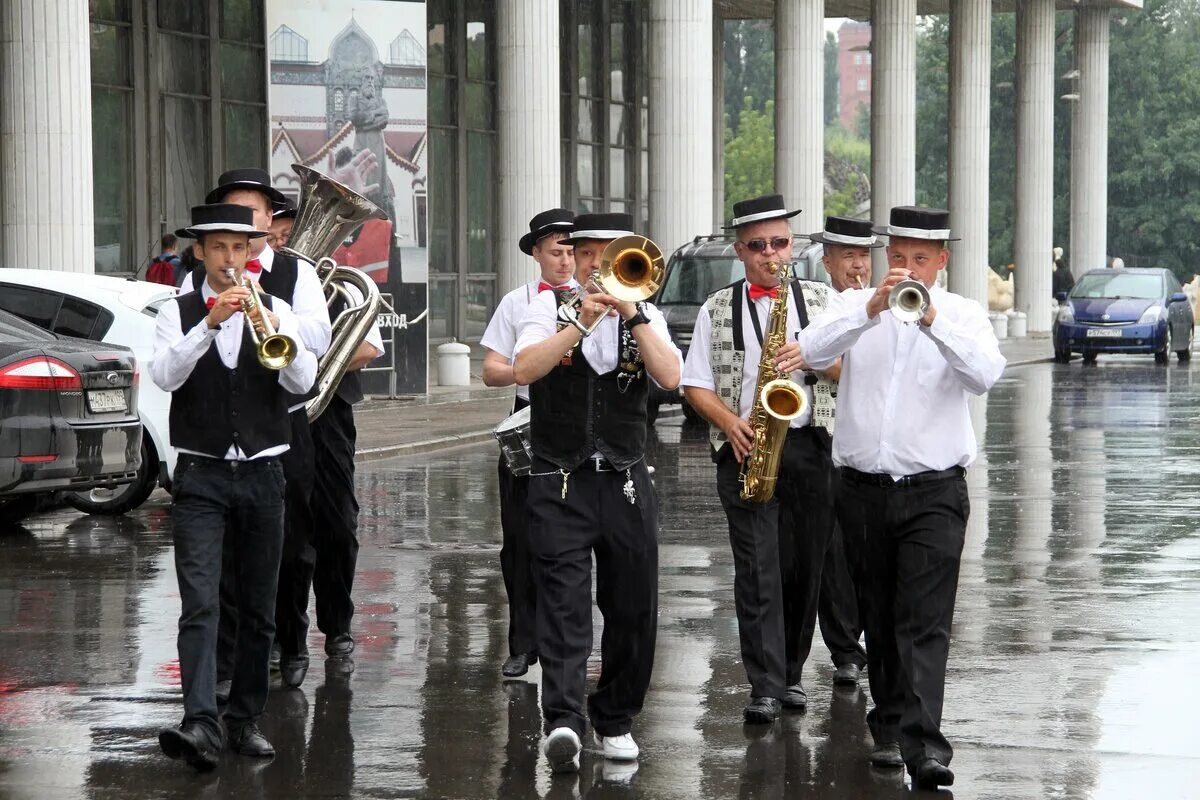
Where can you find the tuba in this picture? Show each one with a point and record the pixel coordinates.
(631, 270)
(327, 213)
(777, 401)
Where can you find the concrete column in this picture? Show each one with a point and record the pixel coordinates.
(970, 136)
(893, 110)
(800, 108)
(46, 136)
(718, 95)
(528, 164)
(1089, 143)
(681, 141)
(1032, 239)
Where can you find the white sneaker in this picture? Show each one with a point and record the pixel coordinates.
(618, 748)
(562, 750)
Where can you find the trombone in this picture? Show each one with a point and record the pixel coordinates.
(631, 270)
(274, 350)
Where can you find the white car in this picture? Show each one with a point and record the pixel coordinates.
(117, 311)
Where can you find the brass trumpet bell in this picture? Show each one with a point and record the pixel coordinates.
(276, 351)
(908, 300)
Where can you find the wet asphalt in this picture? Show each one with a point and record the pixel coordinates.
(1073, 668)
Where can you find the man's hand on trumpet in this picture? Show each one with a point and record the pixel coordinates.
(879, 301)
(228, 303)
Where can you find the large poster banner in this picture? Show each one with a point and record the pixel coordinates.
(348, 99)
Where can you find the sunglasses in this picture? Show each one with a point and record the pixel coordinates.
(777, 243)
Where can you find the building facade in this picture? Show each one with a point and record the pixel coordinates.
(854, 71)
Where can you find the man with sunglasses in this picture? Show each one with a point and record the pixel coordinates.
(778, 546)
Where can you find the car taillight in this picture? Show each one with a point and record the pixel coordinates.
(137, 377)
(40, 372)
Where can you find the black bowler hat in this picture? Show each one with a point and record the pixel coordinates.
(600, 226)
(914, 222)
(545, 223)
(847, 231)
(287, 212)
(256, 179)
(221, 218)
(757, 209)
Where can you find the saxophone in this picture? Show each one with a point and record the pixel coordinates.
(777, 401)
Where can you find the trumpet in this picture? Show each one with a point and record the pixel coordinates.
(631, 270)
(275, 351)
(908, 300)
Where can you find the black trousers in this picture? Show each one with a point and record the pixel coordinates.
(837, 606)
(516, 562)
(779, 549)
(296, 560)
(235, 507)
(595, 516)
(334, 510)
(904, 544)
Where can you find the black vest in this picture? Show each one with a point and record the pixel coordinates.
(577, 411)
(217, 407)
(349, 390)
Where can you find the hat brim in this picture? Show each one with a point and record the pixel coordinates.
(530, 239)
(197, 231)
(287, 213)
(216, 195)
(914, 233)
(762, 216)
(820, 236)
(601, 236)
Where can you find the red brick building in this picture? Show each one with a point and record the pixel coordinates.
(854, 71)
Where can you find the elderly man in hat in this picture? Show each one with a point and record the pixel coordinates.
(590, 492)
(903, 442)
(556, 268)
(282, 220)
(229, 423)
(778, 546)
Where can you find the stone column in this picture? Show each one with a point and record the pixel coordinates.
(718, 114)
(893, 110)
(800, 108)
(970, 106)
(1032, 239)
(46, 214)
(529, 162)
(1089, 143)
(681, 141)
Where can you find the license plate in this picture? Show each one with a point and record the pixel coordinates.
(106, 400)
(1114, 333)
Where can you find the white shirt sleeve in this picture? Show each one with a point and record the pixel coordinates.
(500, 336)
(968, 343)
(539, 322)
(176, 353)
(374, 336)
(297, 377)
(308, 303)
(697, 369)
(835, 330)
(658, 323)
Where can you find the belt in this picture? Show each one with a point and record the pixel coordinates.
(229, 464)
(878, 479)
(597, 464)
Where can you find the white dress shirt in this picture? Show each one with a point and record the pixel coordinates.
(374, 335)
(697, 369)
(602, 348)
(501, 333)
(902, 397)
(176, 354)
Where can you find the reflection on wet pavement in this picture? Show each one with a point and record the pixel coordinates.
(1076, 638)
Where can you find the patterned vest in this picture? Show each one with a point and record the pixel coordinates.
(728, 356)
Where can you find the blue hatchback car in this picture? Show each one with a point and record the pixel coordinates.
(1135, 310)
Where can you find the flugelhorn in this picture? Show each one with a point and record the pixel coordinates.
(908, 300)
(274, 350)
(631, 269)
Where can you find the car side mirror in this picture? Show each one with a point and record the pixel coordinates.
(1179, 297)
(1061, 297)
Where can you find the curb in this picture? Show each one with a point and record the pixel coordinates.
(1027, 362)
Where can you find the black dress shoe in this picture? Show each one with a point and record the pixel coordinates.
(339, 646)
(931, 773)
(846, 675)
(518, 665)
(292, 671)
(223, 688)
(761, 711)
(249, 741)
(887, 756)
(190, 743)
(795, 698)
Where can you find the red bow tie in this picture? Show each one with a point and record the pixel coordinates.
(757, 291)
(210, 302)
(254, 266)
(543, 286)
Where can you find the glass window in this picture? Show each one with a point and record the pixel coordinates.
(443, 302)
(589, 49)
(112, 132)
(443, 100)
(480, 108)
(183, 64)
(1120, 284)
(287, 45)
(244, 141)
(109, 10)
(77, 318)
(443, 177)
(14, 329)
(438, 38)
(616, 172)
(110, 55)
(587, 170)
(480, 61)
(618, 122)
(186, 167)
(187, 16)
(242, 76)
(862, 84)
(480, 171)
(480, 294)
(858, 58)
(242, 20)
(35, 306)
(588, 116)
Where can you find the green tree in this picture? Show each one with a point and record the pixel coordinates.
(847, 172)
(749, 55)
(750, 154)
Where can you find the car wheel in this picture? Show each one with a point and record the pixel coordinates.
(1164, 355)
(691, 415)
(119, 499)
(1062, 356)
(1186, 353)
(1089, 358)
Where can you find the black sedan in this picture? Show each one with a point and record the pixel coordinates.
(68, 414)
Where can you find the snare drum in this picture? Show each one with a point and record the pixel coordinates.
(513, 436)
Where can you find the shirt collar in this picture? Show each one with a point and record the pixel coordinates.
(266, 258)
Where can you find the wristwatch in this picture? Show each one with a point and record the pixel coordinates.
(639, 318)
